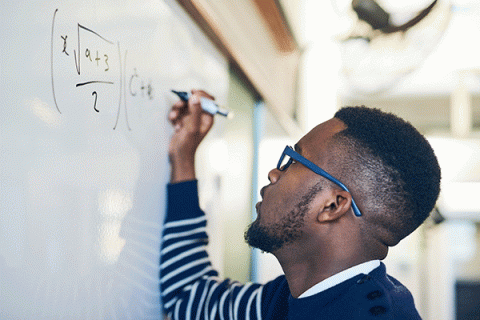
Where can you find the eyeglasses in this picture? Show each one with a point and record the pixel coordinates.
(284, 163)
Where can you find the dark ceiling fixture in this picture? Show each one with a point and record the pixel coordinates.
(379, 19)
(378, 51)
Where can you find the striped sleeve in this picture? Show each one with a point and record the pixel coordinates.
(190, 288)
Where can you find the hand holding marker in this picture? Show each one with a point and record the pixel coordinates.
(207, 104)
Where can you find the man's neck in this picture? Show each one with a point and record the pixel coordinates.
(302, 275)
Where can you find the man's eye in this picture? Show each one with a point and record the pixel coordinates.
(290, 163)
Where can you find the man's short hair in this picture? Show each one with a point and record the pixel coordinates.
(392, 167)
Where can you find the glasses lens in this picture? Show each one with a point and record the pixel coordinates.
(284, 162)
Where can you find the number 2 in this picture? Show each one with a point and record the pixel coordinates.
(94, 93)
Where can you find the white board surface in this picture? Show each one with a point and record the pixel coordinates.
(84, 93)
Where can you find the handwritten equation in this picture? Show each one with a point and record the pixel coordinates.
(98, 68)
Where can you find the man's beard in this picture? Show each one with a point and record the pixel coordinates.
(270, 238)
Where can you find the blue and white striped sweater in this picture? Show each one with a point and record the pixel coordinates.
(190, 287)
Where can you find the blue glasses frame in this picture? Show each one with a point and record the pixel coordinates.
(288, 151)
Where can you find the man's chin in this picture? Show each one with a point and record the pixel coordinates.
(257, 236)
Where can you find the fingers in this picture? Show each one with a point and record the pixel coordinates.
(200, 121)
(203, 93)
(189, 115)
(206, 123)
(194, 105)
(179, 109)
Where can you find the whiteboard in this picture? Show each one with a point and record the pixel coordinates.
(85, 89)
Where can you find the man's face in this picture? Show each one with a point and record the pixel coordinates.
(270, 237)
(283, 214)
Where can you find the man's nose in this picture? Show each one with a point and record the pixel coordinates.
(273, 175)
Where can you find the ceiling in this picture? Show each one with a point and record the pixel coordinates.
(423, 94)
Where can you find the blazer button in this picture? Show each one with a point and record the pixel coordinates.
(378, 310)
(374, 295)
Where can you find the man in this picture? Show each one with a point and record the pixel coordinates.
(350, 188)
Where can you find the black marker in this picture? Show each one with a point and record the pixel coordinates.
(207, 104)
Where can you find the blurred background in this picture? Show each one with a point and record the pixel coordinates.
(293, 63)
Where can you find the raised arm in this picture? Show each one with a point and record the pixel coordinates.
(191, 125)
(190, 288)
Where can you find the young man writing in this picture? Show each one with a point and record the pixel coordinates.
(348, 190)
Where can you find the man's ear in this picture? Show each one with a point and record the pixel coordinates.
(333, 204)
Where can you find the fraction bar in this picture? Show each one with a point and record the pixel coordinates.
(91, 82)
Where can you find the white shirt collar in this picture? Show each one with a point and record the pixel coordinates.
(363, 268)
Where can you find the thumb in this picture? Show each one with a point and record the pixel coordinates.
(194, 105)
(206, 122)
(192, 120)
(202, 121)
